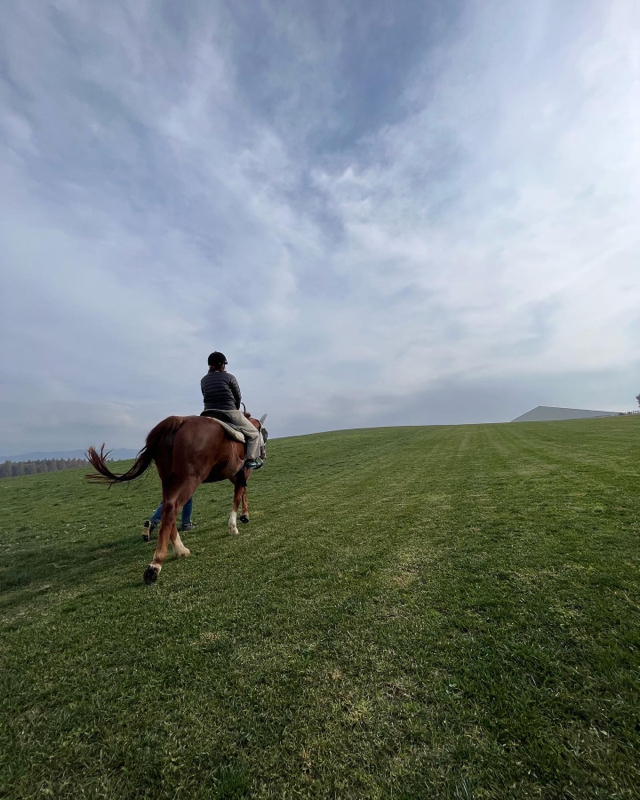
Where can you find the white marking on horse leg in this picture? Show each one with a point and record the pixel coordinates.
(179, 548)
(233, 527)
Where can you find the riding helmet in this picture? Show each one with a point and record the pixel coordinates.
(217, 359)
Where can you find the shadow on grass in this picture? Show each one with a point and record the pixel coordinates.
(62, 565)
(32, 572)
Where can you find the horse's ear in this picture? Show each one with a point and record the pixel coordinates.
(262, 419)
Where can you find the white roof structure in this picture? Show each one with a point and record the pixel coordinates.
(550, 413)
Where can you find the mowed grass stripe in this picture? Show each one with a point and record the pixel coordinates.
(415, 612)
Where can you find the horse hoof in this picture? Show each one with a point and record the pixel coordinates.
(244, 518)
(145, 537)
(151, 574)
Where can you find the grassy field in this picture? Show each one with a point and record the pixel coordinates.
(412, 613)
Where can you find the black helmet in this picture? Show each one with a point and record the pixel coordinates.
(217, 359)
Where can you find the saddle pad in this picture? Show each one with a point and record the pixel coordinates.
(232, 433)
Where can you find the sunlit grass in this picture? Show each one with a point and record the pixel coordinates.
(414, 612)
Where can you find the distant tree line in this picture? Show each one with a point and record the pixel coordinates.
(11, 469)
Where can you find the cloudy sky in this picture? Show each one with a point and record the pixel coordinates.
(383, 213)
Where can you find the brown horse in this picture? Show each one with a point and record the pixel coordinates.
(188, 451)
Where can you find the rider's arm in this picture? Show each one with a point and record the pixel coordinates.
(233, 383)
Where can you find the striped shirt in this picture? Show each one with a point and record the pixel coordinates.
(220, 390)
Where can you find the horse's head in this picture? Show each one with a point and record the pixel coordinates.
(264, 433)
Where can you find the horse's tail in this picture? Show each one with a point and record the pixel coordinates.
(161, 434)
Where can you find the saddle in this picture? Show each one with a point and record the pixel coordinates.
(231, 430)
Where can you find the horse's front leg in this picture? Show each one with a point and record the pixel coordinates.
(237, 496)
(244, 517)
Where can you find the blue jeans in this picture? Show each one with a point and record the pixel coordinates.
(187, 508)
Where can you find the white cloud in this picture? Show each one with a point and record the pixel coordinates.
(481, 225)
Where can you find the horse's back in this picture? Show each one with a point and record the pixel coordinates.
(201, 446)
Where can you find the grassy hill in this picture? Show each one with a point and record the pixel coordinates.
(412, 612)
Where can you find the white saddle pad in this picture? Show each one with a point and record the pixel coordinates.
(236, 433)
(231, 431)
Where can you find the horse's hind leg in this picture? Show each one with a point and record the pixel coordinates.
(179, 549)
(233, 517)
(169, 530)
(169, 511)
(185, 493)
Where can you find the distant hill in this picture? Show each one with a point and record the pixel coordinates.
(117, 455)
(549, 413)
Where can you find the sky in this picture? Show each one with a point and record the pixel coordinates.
(382, 213)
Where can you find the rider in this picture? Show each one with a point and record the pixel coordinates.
(221, 392)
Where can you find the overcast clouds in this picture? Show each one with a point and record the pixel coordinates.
(383, 213)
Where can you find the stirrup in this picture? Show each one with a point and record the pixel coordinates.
(255, 464)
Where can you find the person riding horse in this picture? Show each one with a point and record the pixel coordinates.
(221, 393)
(190, 450)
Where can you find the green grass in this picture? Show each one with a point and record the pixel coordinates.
(415, 612)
